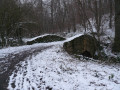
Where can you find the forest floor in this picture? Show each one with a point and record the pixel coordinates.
(47, 66)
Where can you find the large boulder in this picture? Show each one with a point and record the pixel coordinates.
(45, 39)
(84, 45)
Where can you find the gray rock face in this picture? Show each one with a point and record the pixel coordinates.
(84, 45)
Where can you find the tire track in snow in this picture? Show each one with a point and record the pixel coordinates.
(7, 64)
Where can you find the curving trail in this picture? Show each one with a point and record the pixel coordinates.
(49, 67)
(8, 63)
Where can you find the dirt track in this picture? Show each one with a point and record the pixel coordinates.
(7, 64)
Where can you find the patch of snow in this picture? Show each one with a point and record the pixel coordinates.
(71, 38)
(10, 50)
(40, 36)
(26, 39)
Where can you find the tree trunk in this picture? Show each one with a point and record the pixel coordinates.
(110, 24)
(116, 47)
(2, 39)
(52, 14)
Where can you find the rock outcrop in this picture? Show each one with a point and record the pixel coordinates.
(45, 39)
(84, 45)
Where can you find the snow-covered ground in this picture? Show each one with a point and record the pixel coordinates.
(54, 69)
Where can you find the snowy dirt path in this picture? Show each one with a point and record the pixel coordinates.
(10, 60)
(54, 69)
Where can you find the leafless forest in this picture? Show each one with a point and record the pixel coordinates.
(24, 18)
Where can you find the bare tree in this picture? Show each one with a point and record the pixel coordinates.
(116, 47)
(111, 12)
(9, 17)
